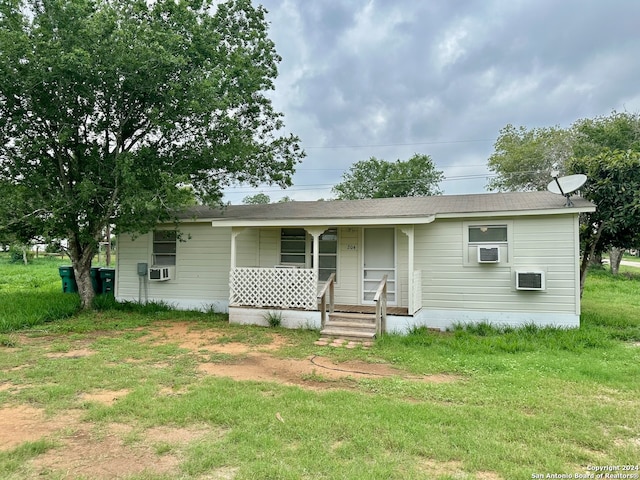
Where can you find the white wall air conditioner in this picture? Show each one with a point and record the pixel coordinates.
(488, 254)
(160, 274)
(530, 281)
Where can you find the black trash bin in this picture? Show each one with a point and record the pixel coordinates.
(96, 281)
(108, 280)
(69, 284)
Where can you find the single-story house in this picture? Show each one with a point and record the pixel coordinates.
(502, 258)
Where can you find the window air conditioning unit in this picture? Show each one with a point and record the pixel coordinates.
(488, 254)
(530, 281)
(160, 274)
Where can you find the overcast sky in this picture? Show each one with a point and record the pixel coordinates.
(390, 78)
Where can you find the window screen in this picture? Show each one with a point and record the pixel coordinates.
(293, 242)
(488, 234)
(164, 247)
(328, 261)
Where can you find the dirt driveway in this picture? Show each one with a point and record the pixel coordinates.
(85, 450)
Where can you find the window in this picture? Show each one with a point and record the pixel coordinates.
(164, 247)
(294, 250)
(488, 234)
(328, 254)
(293, 243)
(487, 244)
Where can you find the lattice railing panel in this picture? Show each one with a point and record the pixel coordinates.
(274, 287)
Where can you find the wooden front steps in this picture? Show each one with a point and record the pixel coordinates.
(350, 326)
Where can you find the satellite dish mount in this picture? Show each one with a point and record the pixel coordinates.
(565, 186)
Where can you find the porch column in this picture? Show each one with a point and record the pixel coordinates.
(315, 232)
(235, 231)
(408, 230)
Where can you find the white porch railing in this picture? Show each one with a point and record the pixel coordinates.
(274, 287)
(380, 299)
(329, 287)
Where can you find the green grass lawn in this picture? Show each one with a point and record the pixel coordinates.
(522, 402)
(32, 294)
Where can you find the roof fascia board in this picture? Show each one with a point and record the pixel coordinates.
(311, 222)
(519, 213)
(230, 222)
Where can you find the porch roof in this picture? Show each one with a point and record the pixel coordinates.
(407, 210)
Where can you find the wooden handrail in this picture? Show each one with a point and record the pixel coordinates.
(380, 299)
(322, 297)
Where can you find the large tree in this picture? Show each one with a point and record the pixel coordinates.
(617, 131)
(524, 158)
(109, 107)
(257, 199)
(376, 178)
(596, 141)
(613, 184)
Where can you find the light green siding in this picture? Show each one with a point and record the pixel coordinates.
(201, 272)
(453, 279)
(402, 266)
(130, 252)
(246, 252)
(268, 247)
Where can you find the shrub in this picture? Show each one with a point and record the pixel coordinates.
(274, 319)
(16, 254)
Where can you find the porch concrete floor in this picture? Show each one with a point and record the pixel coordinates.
(370, 309)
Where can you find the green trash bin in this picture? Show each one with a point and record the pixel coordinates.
(69, 284)
(108, 280)
(96, 281)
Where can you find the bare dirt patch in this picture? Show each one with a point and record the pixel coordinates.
(10, 387)
(193, 339)
(454, 469)
(79, 353)
(106, 397)
(22, 423)
(313, 372)
(179, 436)
(86, 451)
(105, 455)
(118, 450)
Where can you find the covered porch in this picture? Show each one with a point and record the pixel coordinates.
(272, 272)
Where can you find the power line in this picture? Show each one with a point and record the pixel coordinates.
(319, 186)
(342, 169)
(443, 142)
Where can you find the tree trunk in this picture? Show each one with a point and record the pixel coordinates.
(25, 260)
(81, 258)
(82, 271)
(108, 250)
(615, 257)
(589, 252)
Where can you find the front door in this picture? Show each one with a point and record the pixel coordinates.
(379, 259)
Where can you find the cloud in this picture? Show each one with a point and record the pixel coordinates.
(390, 79)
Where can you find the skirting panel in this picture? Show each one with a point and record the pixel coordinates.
(446, 319)
(289, 318)
(221, 306)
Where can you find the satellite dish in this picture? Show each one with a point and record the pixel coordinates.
(566, 186)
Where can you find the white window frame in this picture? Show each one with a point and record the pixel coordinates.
(170, 257)
(470, 248)
(304, 254)
(308, 250)
(335, 255)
